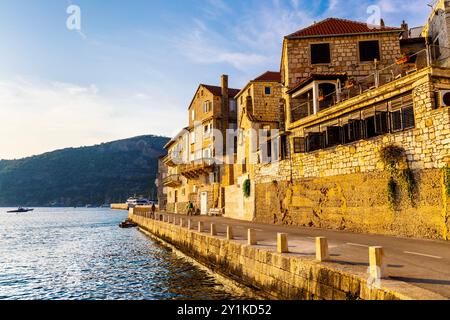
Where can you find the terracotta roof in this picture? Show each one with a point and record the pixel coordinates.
(337, 27)
(269, 76)
(217, 91)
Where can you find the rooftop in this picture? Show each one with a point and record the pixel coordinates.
(217, 91)
(269, 76)
(338, 27)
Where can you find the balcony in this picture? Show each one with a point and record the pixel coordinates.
(173, 159)
(322, 92)
(197, 168)
(172, 181)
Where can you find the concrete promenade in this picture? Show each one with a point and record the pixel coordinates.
(421, 263)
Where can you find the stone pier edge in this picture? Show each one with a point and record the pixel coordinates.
(278, 276)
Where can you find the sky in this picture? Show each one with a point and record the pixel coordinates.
(133, 66)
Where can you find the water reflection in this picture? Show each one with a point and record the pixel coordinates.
(82, 254)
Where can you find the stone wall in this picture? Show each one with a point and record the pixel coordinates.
(345, 187)
(277, 276)
(344, 56)
(358, 203)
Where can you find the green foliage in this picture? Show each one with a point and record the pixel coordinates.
(110, 172)
(446, 177)
(392, 193)
(392, 156)
(246, 188)
(411, 185)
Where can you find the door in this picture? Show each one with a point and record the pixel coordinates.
(176, 202)
(204, 203)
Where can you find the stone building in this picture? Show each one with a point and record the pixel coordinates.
(159, 182)
(362, 142)
(258, 109)
(344, 116)
(177, 186)
(195, 156)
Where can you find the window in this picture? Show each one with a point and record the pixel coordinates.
(369, 51)
(268, 91)
(314, 141)
(299, 145)
(402, 113)
(381, 122)
(207, 106)
(320, 53)
(233, 106)
(193, 136)
(284, 148)
(352, 131)
(193, 115)
(333, 136)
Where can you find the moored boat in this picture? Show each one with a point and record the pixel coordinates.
(20, 210)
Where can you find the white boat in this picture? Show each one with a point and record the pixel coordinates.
(138, 202)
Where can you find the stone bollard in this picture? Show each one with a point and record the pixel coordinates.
(189, 224)
(251, 237)
(213, 230)
(282, 243)
(229, 233)
(377, 261)
(200, 226)
(322, 253)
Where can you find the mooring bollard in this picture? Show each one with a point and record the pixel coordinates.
(322, 252)
(200, 226)
(377, 267)
(282, 243)
(251, 237)
(213, 230)
(229, 233)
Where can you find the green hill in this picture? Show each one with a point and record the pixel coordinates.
(110, 172)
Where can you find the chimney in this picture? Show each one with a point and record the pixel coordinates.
(405, 29)
(224, 82)
(382, 24)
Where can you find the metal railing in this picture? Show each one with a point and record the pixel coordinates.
(436, 56)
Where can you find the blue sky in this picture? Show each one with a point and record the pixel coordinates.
(135, 64)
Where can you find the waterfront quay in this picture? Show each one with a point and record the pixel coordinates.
(306, 264)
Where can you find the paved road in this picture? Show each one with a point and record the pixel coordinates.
(422, 263)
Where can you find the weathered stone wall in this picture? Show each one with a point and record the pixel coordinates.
(344, 56)
(273, 275)
(356, 202)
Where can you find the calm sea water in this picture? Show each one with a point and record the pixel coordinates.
(81, 254)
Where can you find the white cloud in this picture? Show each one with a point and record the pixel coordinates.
(38, 116)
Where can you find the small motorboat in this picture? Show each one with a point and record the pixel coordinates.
(20, 210)
(127, 224)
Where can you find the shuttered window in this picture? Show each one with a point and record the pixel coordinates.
(333, 136)
(299, 145)
(314, 141)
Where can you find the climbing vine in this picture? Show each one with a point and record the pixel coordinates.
(246, 188)
(394, 161)
(392, 193)
(411, 185)
(446, 177)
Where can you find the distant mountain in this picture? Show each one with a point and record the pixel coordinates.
(109, 172)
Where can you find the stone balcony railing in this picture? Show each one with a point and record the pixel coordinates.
(173, 180)
(197, 168)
